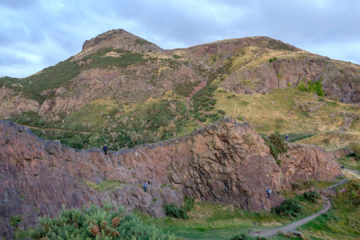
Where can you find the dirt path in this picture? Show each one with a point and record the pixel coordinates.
(62, 130)
(292, 227)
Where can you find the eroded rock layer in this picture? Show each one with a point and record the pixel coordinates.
(226, 162)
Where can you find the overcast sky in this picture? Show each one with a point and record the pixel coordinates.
(35, 34)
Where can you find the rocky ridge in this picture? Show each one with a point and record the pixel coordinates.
(245, 65)
(226, 162)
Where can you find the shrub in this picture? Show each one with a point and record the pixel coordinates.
(277, 145)
(15, 220)
(273, 59)
(312, 86)
(188, 203)
(355, 149)
(75, 142)
(95, 223)
(311, 196)
(289, 208)
(243, 236)
(172, 210)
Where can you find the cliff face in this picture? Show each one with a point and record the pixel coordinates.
(339, 81)
(227, 162)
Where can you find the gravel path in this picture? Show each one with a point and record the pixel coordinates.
(292, 227)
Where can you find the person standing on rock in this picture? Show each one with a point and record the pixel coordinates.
(287, 137)
(146, 185)
(105, 149)
(268, 191)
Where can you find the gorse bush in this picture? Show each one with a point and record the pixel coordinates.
(277, 145)
(355, 149)
(312, 86)
(172, 210)
(188, 204)
(311, 196)
(96, 223)
(246, 237)
(289, 208)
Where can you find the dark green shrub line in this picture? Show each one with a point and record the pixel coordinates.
(174, 211)
(289, 208)
(273, 59)
(277, 145)
(96, 223)
(312, 86)
(63, 72)
(311, 196)
(243, 236)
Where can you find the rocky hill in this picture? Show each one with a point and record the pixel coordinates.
(124, 91)
(226, 162)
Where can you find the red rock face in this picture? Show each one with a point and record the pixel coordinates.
(227, 162)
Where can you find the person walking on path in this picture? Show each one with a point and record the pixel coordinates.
(105, 149)
(287, 137)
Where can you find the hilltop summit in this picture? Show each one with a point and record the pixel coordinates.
(118, 39)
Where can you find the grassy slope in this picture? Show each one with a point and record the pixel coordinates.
(342, 221)
(217, 221)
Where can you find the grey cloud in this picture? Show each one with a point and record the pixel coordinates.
(54, 31)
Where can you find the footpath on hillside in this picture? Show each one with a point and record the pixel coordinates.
(292, 227)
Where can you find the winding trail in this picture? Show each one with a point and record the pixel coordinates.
(292, 227)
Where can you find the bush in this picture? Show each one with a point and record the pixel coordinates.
(277, 145)
(355, 149)
(311, 86)
(188, 204)
(289, 208)
(76, 142)
(243, 236)
(15, 220)
(311, 196)
(172, 210)
(95, 223)
(273, 59)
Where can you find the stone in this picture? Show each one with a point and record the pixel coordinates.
(227, 162)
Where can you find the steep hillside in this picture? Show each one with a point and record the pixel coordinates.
(227, 162)
(124, 91)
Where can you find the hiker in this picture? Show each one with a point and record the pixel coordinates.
(268, 191)
(342, 166)
(146, 185)
(286, 137)
(105, 149)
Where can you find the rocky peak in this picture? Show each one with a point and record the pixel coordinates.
(118, 39)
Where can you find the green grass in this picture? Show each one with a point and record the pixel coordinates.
(126, 58)
(142, 41)
(342, 221)
(49, 78)
(186, 88)
(350, 162)
(62, 73)
(105, 185)
(219, 221)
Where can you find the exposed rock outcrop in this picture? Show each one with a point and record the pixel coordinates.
(227, 162)
(11, 103)
(117, 39)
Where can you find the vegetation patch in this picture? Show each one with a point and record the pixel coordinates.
(290, 208)
(277, 145)
(99, 60)
(342, 220)
(106, 222)
(186, 88)
(141, 41)
(104, 185)
(312, 86)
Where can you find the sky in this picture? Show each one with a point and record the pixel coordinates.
(35, 34)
